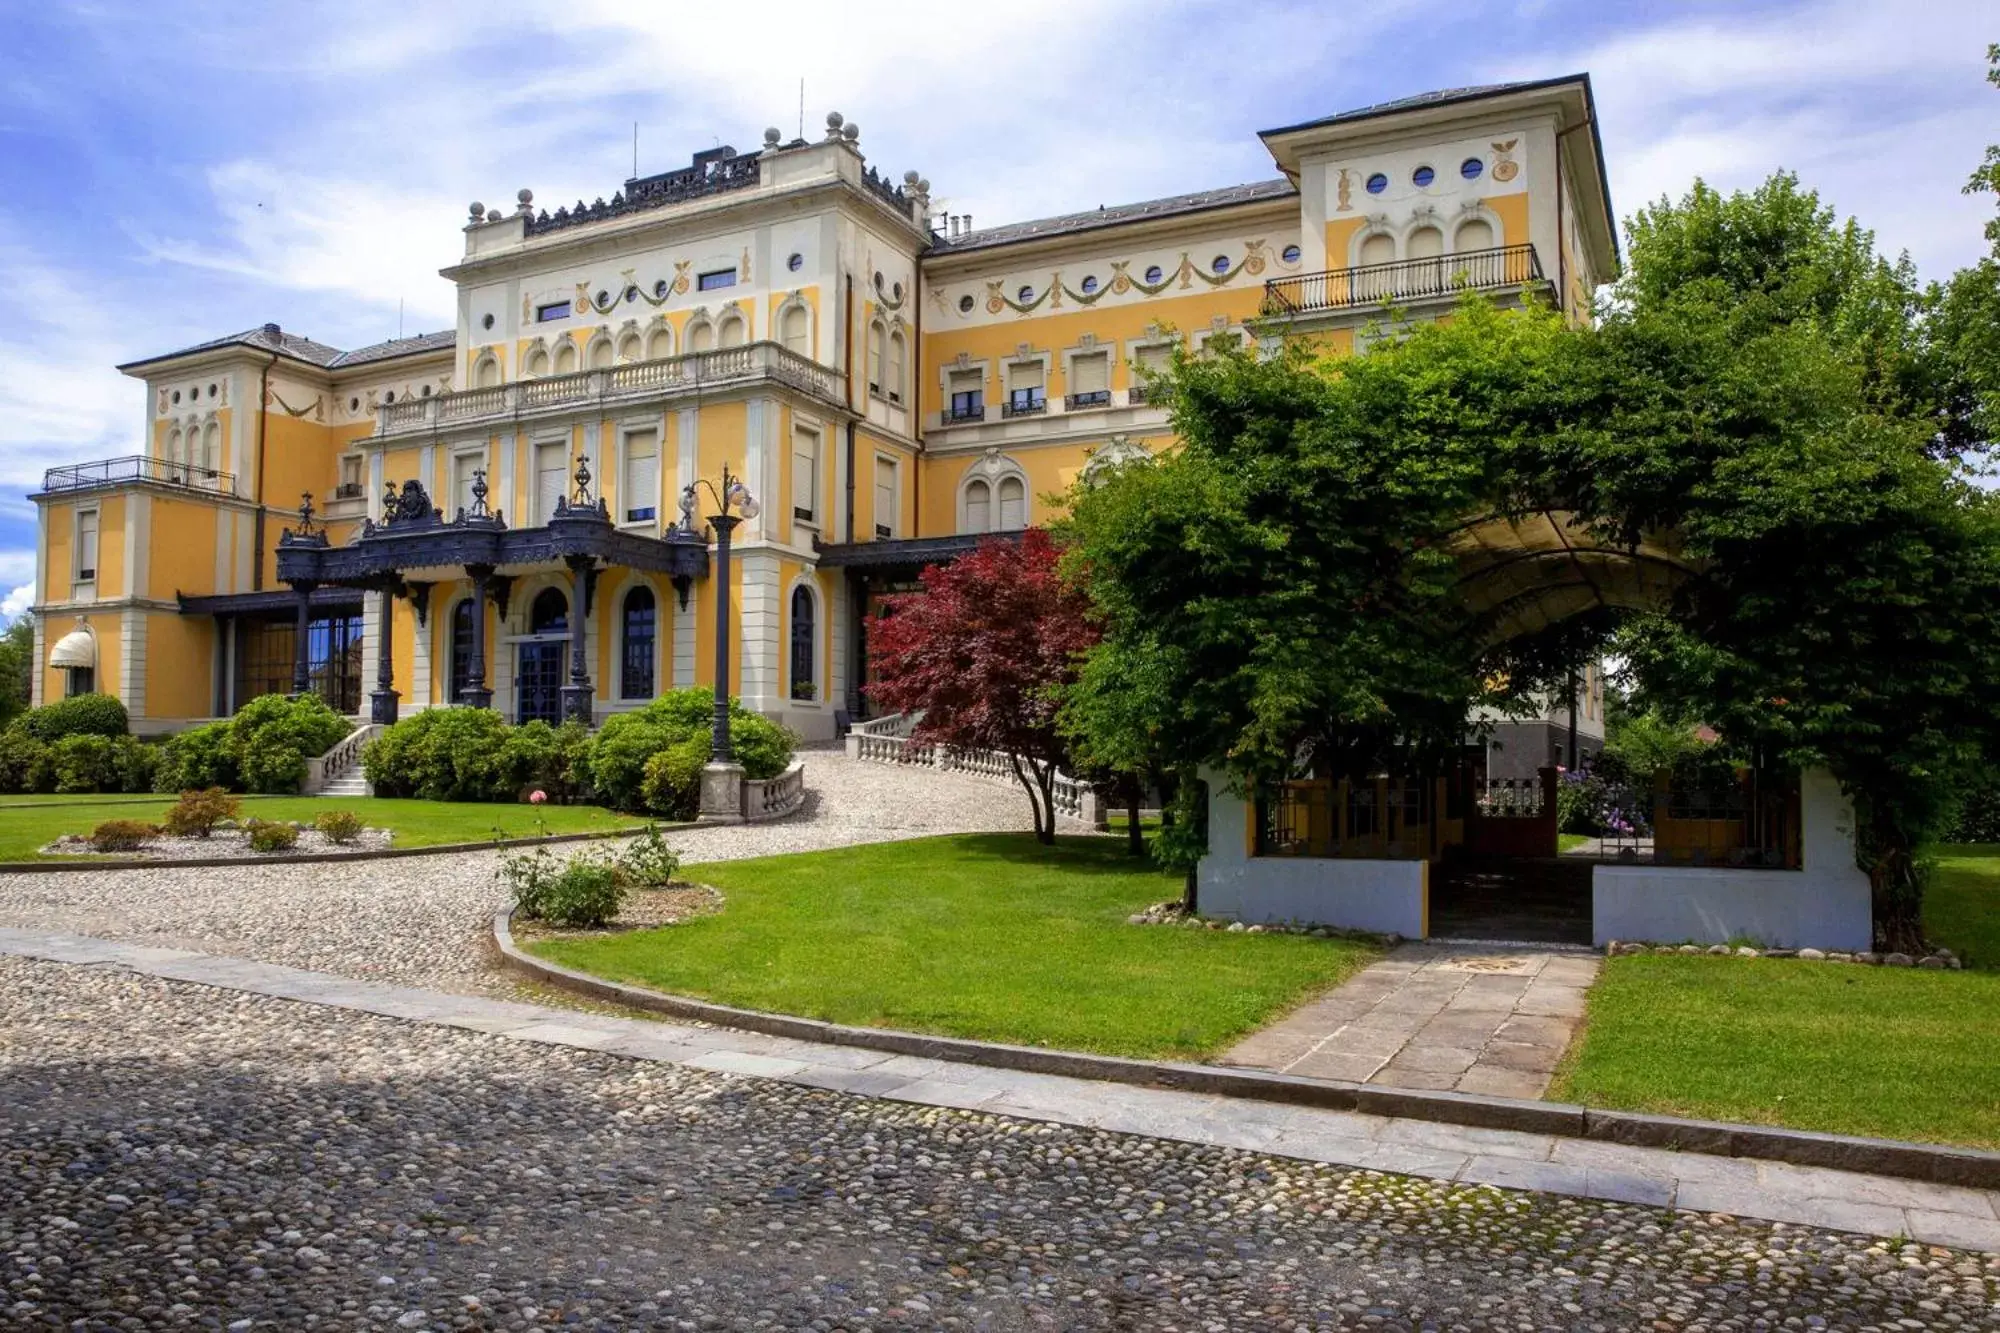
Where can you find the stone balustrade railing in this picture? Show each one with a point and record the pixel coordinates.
(886, 741)
(774, 798)
(345, 754)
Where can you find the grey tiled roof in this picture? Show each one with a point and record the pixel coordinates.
(1436, 97)
(1174, 205)
(442, 340)
(269, 338)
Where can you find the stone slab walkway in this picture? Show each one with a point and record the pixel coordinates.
(1487, 1019)
(1840, 1200)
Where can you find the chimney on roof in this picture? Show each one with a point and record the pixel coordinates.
(274, 333)
(967, 220)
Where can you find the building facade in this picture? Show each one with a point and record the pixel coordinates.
(494, 514)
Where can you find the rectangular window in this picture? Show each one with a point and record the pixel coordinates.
(350, 487)
(1147, 364)
(551, 479)
(86, 546)
(1089, 380)
(722, 277)
(968, 396)
(885, 496)
(805, 475)
(1024, 389)
(463, 466)
(552, 310)
(639, 493)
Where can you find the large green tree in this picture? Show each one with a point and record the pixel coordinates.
(1281, 590)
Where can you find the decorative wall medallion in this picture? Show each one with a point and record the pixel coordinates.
(744, 267)
(1346, 189)
(1505, 168)
(889, 298)
(681, 275)
(1118, 452)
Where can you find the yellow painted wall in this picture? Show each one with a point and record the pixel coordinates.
(182, 558)
(1051, 470)
(180, 665)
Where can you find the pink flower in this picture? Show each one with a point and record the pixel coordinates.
(537, 797)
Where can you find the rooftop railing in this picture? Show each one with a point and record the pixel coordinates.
(136, 467)
(1403, 280)
(637, 379)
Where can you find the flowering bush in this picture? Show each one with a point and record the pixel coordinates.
(1601, 803)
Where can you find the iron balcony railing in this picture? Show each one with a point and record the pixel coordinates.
(136, 467)
(1404, 280)
(638, 379)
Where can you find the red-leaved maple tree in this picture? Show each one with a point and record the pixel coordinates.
(983, 653)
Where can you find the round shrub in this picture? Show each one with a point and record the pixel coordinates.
(27, 765)
(627, 743)
(762, 746)
(272, 736)
(197, 813)
(551, 760)
(121, 835)
(196, 758)
(618, 759)
(584, 891)
(339, 826)
(442, 754)
(647, 862)
(86, 762)
(79, 715)
(672, 785)
(271, 836)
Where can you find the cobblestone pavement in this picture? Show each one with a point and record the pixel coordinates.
(183, 1156)
(424, 921)
(1488, 1019)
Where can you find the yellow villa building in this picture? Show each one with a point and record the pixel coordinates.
(496, 510)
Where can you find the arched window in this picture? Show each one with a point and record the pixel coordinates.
(211, 449)
(894, 384)
(565, 357)
(486, 374)
(805, 684)
(536, 363)
(701, 336)
(1426, 243)
(171, 452)
(461, 649)
(550, 613)
(1473, 234)
(1377, 249)
(659, 343)
(795, 330)
(600, 354)
(1013, 504)
(640, 621)
(978, 507)
(630, 349)
(733, 331)
(878, 345)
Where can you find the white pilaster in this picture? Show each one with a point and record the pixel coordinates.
(835, 592)
(757, 633)
(138, 542)
(756, 415)
(683, 667)
(41, 660)
(132, 661)
(371, 647)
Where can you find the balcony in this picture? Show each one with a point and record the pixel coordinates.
(1023, 405)
(136, 468)
(1074, 402)
(694, 373)
(1441, 277)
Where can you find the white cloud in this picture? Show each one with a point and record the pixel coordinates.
(17, 601)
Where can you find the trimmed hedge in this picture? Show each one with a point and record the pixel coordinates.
(472, 754)
(263, 748)
(78, 715)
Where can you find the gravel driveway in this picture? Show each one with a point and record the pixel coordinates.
(423, 921)
(182, 1157)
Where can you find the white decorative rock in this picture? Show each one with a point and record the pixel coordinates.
(1813, 955)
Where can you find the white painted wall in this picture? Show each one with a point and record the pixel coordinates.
(1824, 905)
(1382, 896)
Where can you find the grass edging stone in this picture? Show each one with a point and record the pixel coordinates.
(1973, 1168)
(316, 858)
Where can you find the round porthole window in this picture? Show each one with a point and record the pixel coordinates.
(1089, 284)
(965, 305)
(1220, 263)
(211, 391)
(796, 262)
(896, 290)
(354, 404)
(1470, 168)
(389, 397)
(1291, 254)
(1377, 183)
(603, 297)
(660, 287)
(177, 395)
(486, 321)
(1154, 273)
(1422, 178)
(426, 391)
(1025, 295)
(631, 294)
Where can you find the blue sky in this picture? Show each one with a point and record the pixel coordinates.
(170, 172)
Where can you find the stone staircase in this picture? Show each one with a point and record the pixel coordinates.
(338, 771)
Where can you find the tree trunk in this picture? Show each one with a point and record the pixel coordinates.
(1896, 886)
(1047, 832)
(1135, 841)
(1039, 796)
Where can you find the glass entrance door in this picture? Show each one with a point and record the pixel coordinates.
(538, 679)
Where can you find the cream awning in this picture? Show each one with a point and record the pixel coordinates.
(74, 649)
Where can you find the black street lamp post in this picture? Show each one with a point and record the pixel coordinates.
(721, 788)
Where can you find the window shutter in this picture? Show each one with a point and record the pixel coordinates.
(1013, 505)
(967, 381)
(86, 545)
(805, 475)
(1092, 373)
(550, 467)
(885, 497)
(1155, 359)
(1025, 375)
(978, 507)
(640, 499)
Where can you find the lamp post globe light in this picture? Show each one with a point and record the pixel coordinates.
(722, 776)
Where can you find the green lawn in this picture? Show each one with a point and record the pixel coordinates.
(414, 823)
(990, 936)
(1896, 1052)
